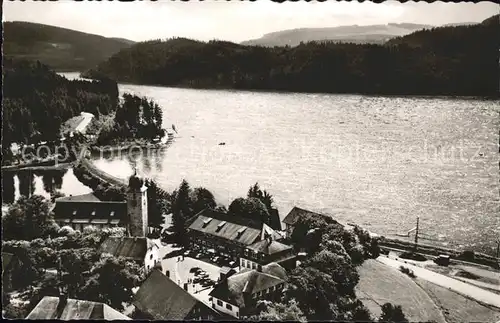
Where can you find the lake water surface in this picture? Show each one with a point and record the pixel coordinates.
(377, 161)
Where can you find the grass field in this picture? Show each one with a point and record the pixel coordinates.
(380, 284)
(458, 308)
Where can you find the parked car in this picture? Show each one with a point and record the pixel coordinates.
(215, 259)
(199, 255)
(187, 253)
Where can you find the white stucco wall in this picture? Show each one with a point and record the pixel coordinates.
(234, 311)
(151, 255)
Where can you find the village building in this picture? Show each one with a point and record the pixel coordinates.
(145, 252)
(266, 251)
(86, 210)
(159, 298)
(61, 308)
(297, 213)
(237, 295)
(226, 235)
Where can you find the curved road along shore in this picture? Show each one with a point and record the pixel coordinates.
(460, 287)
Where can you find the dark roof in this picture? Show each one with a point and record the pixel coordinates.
(233, 289)
(90, 197)
(162, 299)
(251, 231)
(72, 210)
(127, 247)
(297, 213)
(269, 247)
(75, 309)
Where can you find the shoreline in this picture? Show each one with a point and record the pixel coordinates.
(135, 145)
(222, 88)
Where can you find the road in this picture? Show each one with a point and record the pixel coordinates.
(471, 291)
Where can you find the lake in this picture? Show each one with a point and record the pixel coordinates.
(376, 161)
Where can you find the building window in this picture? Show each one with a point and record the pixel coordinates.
(229, 307)
(237, 314)
(219, 302)
(151, 256)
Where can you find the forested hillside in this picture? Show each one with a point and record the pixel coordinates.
(62, 49)
(36, 101)
(457, 60)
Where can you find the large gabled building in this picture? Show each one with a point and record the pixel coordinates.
(81, 211)
(159, 298)
(228, 235)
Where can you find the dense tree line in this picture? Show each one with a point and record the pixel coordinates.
(135, 118)
(185, 203)
(37, 101)
(459, 60)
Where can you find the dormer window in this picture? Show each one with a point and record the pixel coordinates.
(206, 222)
(74, 212)
(93, 213)
(220, 225)
(112, 213)
(240, 232)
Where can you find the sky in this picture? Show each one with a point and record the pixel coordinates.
(234, 21)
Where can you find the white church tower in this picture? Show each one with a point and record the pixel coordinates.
(137, 206)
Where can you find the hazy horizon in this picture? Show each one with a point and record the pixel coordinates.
(140, 21)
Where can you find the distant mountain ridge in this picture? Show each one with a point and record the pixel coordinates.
(60, 48)
(457, 60)
(372, 34)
